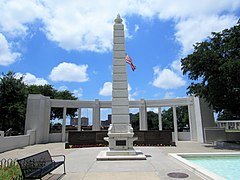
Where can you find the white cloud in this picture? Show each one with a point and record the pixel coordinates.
(196, 29)
(194, 21)
(69, 72)
(176, 66)
(136, 28)
(82, 25)
(62, 88)
(16, 15)
(169, 95)
(31, 79)
(78, 92)
(7, 57)
(134, 110)
(167, 79)
(155, 110)
(131, 95)
(106, 90)
(129, 87)
(187, 8)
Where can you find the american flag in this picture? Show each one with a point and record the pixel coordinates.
(129, 61)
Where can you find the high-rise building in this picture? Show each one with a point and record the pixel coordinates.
(74, 121)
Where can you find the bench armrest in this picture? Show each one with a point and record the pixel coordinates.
(55, 156)
(59, 156)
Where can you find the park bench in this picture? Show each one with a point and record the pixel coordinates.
(38, 165)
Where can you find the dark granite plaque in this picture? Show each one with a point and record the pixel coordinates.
(121, 143)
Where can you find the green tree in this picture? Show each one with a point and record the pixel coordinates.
(48, 90)
(152, 119)
(58, 112)
(226, 115)
(13, 97)
(214, 67)
(134, 120)
(45, 90)
(182, 117)
(167, 119)
(64, 95)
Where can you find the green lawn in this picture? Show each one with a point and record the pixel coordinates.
(10, 172)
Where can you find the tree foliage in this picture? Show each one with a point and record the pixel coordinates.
(214, 67)
(182, 116)
(152, 119)
(226, 115)
(13, 99)
(167, 119)
(134, 120)
(48, 90)
(45, 90)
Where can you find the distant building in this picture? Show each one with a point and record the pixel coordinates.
(110, 118)
(84, 121)
(74, 121)
(107, 122)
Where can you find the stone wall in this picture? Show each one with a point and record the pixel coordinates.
(95, 138)
(12, 142)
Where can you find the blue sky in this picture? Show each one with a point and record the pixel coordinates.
(69, 43)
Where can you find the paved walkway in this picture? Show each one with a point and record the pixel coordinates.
(81, 163)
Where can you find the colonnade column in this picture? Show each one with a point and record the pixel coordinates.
(64, 124)
(96, 116)
(160, 118)
(79, 123)
(175, 124)
(143, 116)
(190, 122)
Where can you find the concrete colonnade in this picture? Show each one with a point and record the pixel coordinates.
(42, 107)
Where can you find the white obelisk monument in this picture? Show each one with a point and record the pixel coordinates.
(120, 132)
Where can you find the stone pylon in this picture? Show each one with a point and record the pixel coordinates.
(120, 132)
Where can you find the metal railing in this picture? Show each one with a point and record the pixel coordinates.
(8, 162)
(229, 124)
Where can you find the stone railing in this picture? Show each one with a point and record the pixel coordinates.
(13, 142)
(229, 124)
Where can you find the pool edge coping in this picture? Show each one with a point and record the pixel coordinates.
(196, 169)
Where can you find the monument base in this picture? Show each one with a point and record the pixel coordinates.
(110, 155)
(122, 142)
(120, 137)
(121, 148)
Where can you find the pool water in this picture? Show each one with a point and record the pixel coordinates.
(225, 166)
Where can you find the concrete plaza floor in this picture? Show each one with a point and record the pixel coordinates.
(81, 162)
